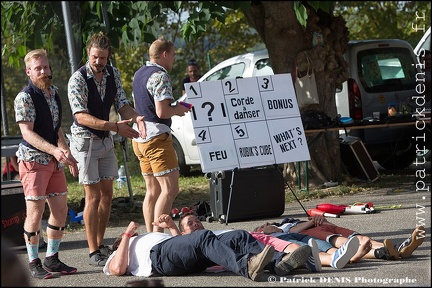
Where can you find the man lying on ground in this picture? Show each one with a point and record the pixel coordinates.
(323, 253)
(292, 256)
(167, 255)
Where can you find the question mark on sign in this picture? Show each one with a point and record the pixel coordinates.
(300, 140)
(210, 110)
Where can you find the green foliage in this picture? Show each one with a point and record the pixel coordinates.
(22, 22)
(386, 19)
(208, 31)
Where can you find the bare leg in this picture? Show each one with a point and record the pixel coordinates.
(153, 192)
(32, 222)
(365, 249)
(291, 247)
(97, 211)
(104, 210)
(169, 190)
(325, 258)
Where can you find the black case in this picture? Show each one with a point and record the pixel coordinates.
(13, 213)
(256, 192)
(357, 159)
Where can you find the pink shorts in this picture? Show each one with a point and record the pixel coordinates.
(326, 231)
(42, 181)
(277, 243)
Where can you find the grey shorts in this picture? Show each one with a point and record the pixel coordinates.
(99, 163)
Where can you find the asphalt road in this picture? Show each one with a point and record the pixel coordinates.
(398, 211)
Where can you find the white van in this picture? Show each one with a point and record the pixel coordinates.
(365, 92)
(424, 42)
(381, 73)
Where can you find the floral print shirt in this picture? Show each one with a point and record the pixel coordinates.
(78, 96)
(26, 111)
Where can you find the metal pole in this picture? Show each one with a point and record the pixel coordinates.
(69, 36)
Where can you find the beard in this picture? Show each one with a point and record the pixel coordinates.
(43, 82)
(97, 68)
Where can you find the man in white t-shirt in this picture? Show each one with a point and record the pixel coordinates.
(167, 255)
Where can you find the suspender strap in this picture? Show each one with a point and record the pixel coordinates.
(30, 234)
(55, 227)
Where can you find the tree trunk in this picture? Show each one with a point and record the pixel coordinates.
(285, 38)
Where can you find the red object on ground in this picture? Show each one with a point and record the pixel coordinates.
(175, 211)
(314, 211)
(331, 208)
(185, 210)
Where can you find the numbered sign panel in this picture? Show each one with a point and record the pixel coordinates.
(247, 122)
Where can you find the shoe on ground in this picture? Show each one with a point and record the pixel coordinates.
(106, 250)
(313, 263)
(342, 256)
(393, 254)
(257, 262)
(407, 247)
(37, 271)
(97, 259)
(293, 260)
(383, 252)
(53, 264)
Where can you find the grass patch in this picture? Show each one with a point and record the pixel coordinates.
(197, 188)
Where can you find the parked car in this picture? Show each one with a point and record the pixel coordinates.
(381, 73)
(365, 92)
(424, 43)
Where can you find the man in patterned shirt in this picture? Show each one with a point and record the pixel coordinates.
(153, 96)
(42, 155)
(92, 90)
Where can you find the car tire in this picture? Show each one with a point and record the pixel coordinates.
(185, 169)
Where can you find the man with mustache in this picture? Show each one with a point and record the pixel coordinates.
(92, 90)
(42, 155)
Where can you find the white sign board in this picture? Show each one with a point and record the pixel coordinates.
(247, 122)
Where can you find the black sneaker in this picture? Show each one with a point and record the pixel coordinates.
(106, 250)
(37, 271)
(382, 253)
(407, 247)
(97, 258)
(53, 264)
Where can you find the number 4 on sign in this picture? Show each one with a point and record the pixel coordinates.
(202, 135)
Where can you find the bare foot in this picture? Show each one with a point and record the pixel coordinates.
(363, 249)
